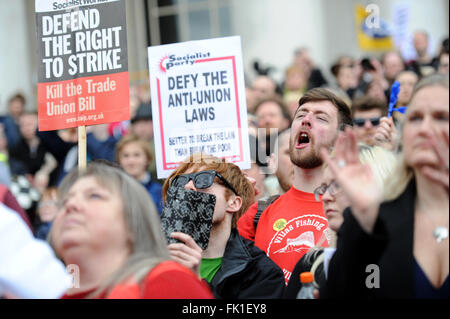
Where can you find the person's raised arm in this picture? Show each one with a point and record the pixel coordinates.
(356, 180)
(386, 134)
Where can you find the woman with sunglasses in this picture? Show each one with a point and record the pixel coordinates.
(334, 203)
(108, 229)
(405, 237)
(232, 265)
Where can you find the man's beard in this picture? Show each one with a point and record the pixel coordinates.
(308, 160)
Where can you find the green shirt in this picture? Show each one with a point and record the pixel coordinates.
(209, 267)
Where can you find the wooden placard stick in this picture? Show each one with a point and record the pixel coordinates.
(82, 146)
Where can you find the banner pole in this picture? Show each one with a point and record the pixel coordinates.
(82, 145)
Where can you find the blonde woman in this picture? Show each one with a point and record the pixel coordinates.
(108, 228)
(403, 241)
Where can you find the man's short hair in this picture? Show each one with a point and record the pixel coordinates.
(274, 99)
(321, 94)
(368, 103)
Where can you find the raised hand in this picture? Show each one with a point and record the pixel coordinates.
(386, 135)
(356, 179)
(188, 254)
(439, 174)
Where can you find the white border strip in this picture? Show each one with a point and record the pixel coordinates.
(61, 5)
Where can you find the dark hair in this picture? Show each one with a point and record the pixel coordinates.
(321, 94)
(444, 46)
(367, 103)
(18, 96)
(335, 69)
(414, 66)
(144, 112)
(261, 70)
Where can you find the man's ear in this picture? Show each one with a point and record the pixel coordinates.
(234, 203)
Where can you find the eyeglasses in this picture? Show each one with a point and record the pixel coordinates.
(201, 180)
(333, 188)
(361, 122)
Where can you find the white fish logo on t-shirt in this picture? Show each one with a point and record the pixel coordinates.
(304, 241)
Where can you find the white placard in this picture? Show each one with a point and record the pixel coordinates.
(198, 102)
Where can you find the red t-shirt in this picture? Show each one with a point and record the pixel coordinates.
(288, 228)
(168, 280)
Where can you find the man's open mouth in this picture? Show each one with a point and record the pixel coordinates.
(303, 140)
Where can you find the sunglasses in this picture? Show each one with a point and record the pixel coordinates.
(333, 188)
(361, 122)
(201, 180)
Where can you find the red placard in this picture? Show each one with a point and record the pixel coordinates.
(82, 63)
(84, 101)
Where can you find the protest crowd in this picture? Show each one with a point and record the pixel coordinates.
(349, 181)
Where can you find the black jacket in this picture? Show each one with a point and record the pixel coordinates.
(23, 161)
(390, 247)
(246, 272)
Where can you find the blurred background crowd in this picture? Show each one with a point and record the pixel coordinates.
(315, 48)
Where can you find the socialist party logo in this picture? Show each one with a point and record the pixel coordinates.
(170, 61)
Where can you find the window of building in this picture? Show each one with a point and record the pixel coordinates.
(171, 21)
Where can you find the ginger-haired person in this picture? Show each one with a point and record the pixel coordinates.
(232, 265)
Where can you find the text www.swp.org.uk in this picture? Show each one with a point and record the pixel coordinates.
(84, 118)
